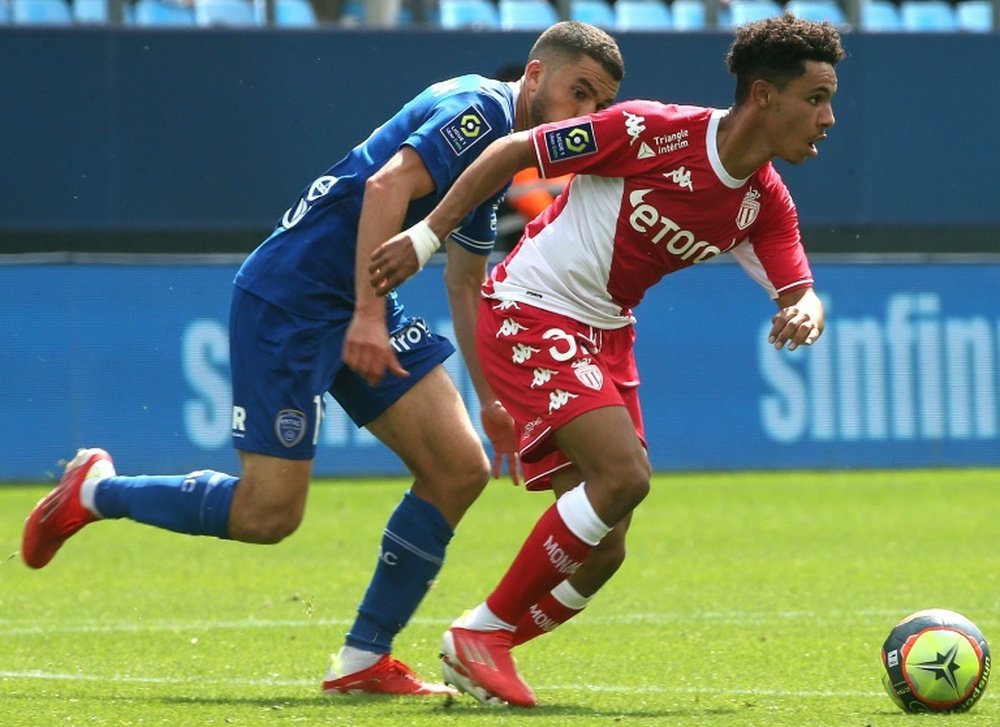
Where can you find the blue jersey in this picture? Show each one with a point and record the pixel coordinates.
(307, 264)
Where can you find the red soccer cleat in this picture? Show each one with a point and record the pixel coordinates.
(479, 663)
(385, 676)
(61, 513)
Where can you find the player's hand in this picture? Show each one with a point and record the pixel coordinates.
(795, 326)
(499, 428)
(367, 350)
(393, 263)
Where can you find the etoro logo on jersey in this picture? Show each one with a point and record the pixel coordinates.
(571, 141)
(465, 129)
(646, 219)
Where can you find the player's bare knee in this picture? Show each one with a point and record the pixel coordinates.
(454, 487)
(630, 481)
(271, 528)
(259, 514)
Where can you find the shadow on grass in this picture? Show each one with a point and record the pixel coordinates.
(460, 707)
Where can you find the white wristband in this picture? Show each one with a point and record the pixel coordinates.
(424, 242)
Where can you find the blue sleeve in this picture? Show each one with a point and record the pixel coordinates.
(456, 131)
(479, 234)
(459, 125)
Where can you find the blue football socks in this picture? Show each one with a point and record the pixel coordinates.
(197, 504)
(410, 556)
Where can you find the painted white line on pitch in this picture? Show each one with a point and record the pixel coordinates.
(144, 627)
(313, 683)
(8, 628)
(117, 678)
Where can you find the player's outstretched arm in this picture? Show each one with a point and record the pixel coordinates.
(403, 255)
(799, 320)
(388, 193)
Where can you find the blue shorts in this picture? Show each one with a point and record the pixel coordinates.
(282, 364)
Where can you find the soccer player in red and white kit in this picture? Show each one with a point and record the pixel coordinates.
(657, 188)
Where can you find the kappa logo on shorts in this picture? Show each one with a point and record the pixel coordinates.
(559, 398)
(540, 377)
(521, 353)
(510, 327)
(570, 142)
(465, 130)
(290, 426)
(589, 374)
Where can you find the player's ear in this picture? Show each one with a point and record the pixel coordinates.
(761, 93)
(532, 75)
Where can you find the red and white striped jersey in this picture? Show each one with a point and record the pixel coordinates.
(649, 196)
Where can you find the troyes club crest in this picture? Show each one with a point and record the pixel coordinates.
(749, 209)
(290, 426)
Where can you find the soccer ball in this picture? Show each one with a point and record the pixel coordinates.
(935, 661)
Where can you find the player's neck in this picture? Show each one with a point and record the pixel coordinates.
(522, 119)
(742, 150)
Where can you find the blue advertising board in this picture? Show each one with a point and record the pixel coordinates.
(134, 358)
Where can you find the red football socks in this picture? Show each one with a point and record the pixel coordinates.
(550, 553)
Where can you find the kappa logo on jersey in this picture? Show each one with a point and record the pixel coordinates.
(588, 373)
(290, 426)
(749, 209)
(570, 142)
(646, 219)
(540, 377)
(559, 398)
(465, 129)
(634, 126)
(510, 327)
(681, 177)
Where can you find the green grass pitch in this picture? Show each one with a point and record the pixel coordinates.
(747, 599)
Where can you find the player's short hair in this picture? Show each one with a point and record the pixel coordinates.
(570, 39)
(776, 50)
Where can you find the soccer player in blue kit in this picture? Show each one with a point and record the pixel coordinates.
(303, 317)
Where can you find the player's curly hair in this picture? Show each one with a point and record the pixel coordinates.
(776, 50)
(571, 39)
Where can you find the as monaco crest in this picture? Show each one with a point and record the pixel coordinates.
(749, 209)
(589, 374)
